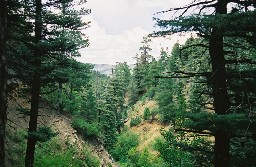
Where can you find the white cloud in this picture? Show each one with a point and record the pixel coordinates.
(118, 27)
(109, 49)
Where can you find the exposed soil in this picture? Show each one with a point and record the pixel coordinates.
(147, 130)
(59, 123)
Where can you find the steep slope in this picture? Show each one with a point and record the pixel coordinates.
(61, 124)
(148, 130)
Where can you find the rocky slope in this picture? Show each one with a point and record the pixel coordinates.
(60, 123)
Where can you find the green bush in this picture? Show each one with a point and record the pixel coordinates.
(135, 121)
(16, 147)
(85, 128)
(53, 154)
(16, 136)
(170, 152)
(90, 159)
(43, 134)
(125, 142)
(72, 103)
(145, 159)
(150, 94)
(146, 114)
(23, 111)
(58, 160)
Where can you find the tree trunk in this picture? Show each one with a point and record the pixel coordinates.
(3, 80)
(29, 159)
(218, 81)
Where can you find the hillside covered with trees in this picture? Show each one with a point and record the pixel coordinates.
(193, 105)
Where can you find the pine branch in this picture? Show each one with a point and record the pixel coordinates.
(242, 74)
(241, 61)
(48, 92)
(204, 92)
(182, 74)
(209, 108)
(206, 6)
(206, 74)
(186, 147)
(166, 77)
(187, 7)
(207, 103)
(211, 134)
(193, 131)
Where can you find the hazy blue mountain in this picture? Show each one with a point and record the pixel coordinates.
(107, 68)
(103, 68)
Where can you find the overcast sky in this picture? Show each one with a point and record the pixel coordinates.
(118, 27)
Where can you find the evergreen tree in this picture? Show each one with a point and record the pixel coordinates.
(166, 101)
(89, 107)
(121, 79)
(3, 80)
(109, 116)
(154, 70)
(139, 78)
(29, 159)
(219, 78)
(53, 32)
(65, 80)
(111, 104)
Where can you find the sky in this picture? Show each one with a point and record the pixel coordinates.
(118, 26)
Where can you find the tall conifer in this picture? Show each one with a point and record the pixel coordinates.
(3, 80)
(234, 24)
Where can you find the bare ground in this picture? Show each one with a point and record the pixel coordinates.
(147, 130)
(59, 123)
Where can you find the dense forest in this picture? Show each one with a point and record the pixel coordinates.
(191, 105)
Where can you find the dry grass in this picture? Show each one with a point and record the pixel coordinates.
(148, 131)
(58, 122)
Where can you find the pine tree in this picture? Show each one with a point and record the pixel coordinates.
(30, 151)
(55, 40)
(89, 107)
(170, 95)
(109, 116)
(121, 79)
(153, 70)
(3, 80)
(166, 101)
(234, 25)
(139, 78)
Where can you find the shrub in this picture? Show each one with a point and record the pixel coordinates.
(135, 121)
(90, 159)
(125, 142)
(85, 128)
(16, 136)
(43, 134)
(146, 114)
(53, 154)
(150, 94)
(170, 152)
(145, 159)
(16, 147)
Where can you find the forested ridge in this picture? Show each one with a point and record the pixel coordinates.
(190, 105)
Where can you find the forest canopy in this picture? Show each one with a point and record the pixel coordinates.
(189, 105)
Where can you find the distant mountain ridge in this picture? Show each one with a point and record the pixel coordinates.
(103, 68)
(106, 68)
